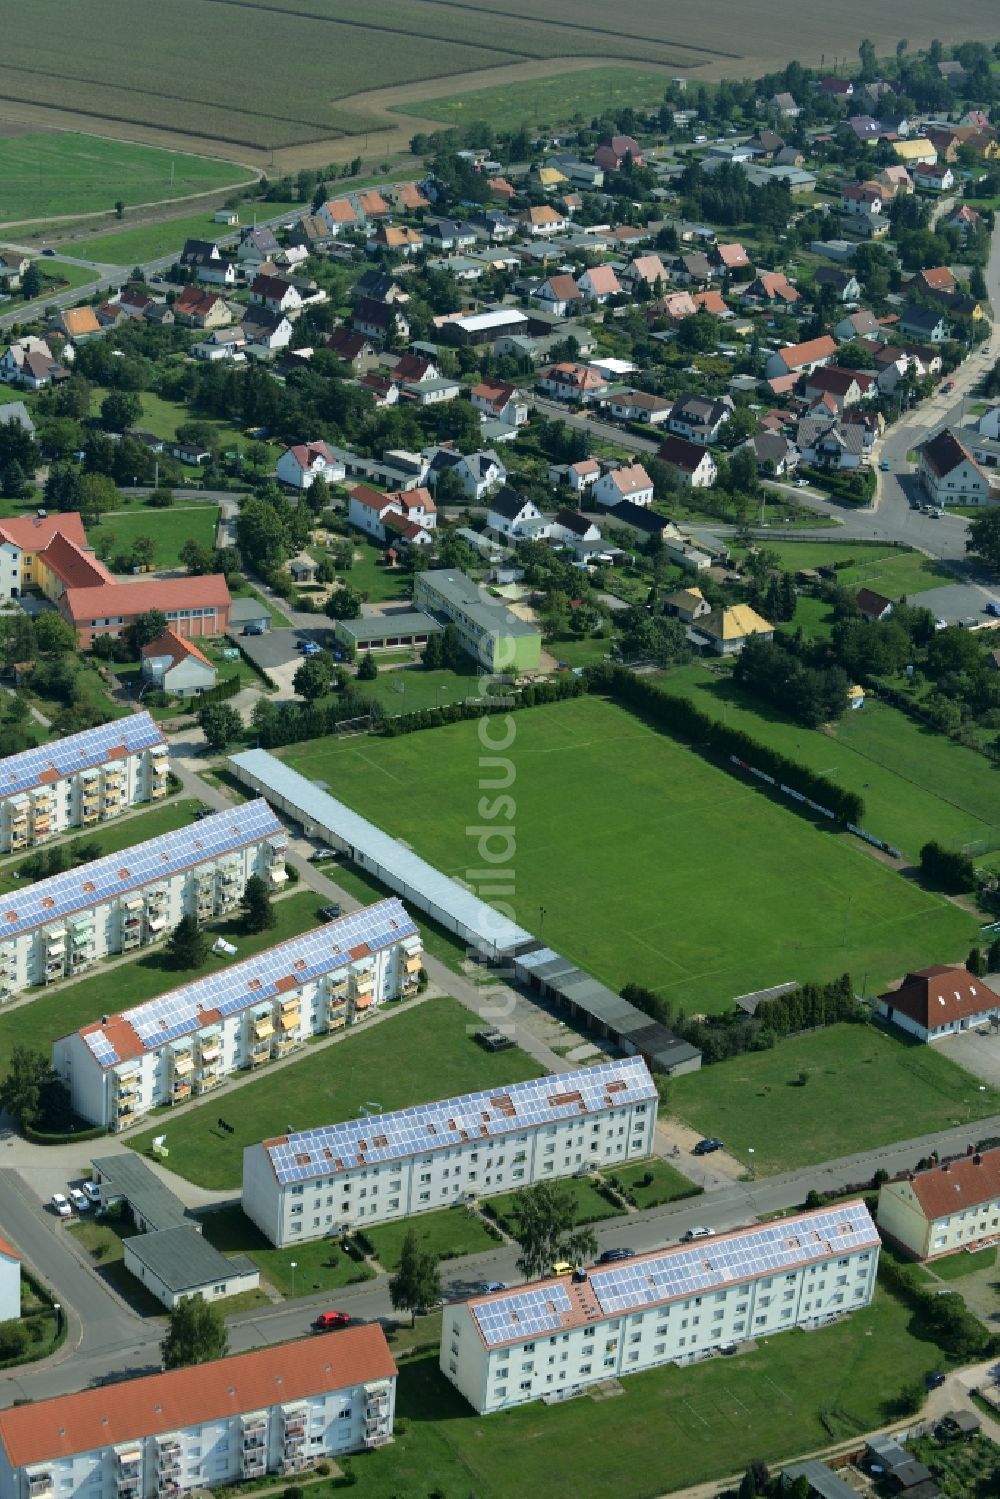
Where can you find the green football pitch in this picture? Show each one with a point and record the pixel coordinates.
(641, 861)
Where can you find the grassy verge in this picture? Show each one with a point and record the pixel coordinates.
(446, 1234)
(104, 1242)
(109, 837)
(787, 1105)
(955, 1266)
(423, 1052)
(319, 1266)
(653, 1182)
(591, 1206)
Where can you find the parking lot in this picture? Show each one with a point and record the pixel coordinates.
(955, 602)
(977, 1051)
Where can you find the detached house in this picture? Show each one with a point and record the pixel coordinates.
(934, 1002)
(301, 465)
(874, 606)
(630, 482)
(845, 386)
(406, 516)
(950, 1206)
(512, 515)
(644, 270)
(862, 198)
(924, 322)
(844, 284)
(801, 359)
(829, 443)
(938, 178)
(543, 221)
(575, 530)
(599, 283)
(573, 382)
(699, 418)
(379, 321)
(691, 461)
(580, 477)
(479, 473)
(640, 406)
(196, 308)
(612, 151)
(29, 362)
(726, 631)
(726, 259)
(275, 293)
(558, 294)
(339, 215)
(770, 288)
(949, 473)
(13, 265)
(500, 402)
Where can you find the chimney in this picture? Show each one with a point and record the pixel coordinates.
(977, 1160)
(945, 1166)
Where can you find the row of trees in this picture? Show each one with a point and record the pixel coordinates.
(773, 670)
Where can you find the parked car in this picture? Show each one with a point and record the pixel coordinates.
(610, 1256)
(93, 1191)
(706, 1146)
(562, 1267)
(330, 912)
(253, 630)
(993, 607)
(326, 1321)
(60, 1206)
(201, 812)
(79, 1201)
(934, 1381)
(321, 853)
(885, 467)
(698, 1232)
(48, 250)
(494, 1285)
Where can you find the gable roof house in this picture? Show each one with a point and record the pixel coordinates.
(801, 359)
(951, 1206)
(339, 215)
(29, 361)
(773, 453)
(13, 265)
(558, 293)
(401, 516)
(542, 221)
(513, 515)
(769, 287)
(629, 482)
(501, 402)
(257, 245)
(352, 348)
(924, 322)
(76, 322)
(843, 283)
(829, 443)
(950, 474)
(612, 151)
(599, 283)
(725, 259)
(846, 386)
(300, 465)
(699, 418)
(266, 330)
(177, 666)
(640, 406)
(644, 270)
(480, 473)
(379, 321)
(579, 476)
(874, 606)
(935, 178)
(726, 631)
(861, 324)
(397, 237)
(862, 198)
(687, 605)
(573, 382)
(197, 308)
(784, 106)
(691, 461)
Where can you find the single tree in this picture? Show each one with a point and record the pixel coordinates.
(367, 668)
(344, 603)
(545, 1226)
(198, 559)
(54, 634)
(98, 494)
(22, 1090)
(143, 551)
(976, 963)
(32, 283)
(145, 627)
(196, 1334)
(220, 723)
(120, 208)
(416, 1285)
(162, 499)
(14, 481)
(984, 539)
(187, 945)
(258, 913)
(120, 409)
(313, 678)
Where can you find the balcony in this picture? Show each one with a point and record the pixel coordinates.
(40, 1485)
(283, 1045)
(206, 1081)
(260, 1052)
(128, 1084)
(180, 1091)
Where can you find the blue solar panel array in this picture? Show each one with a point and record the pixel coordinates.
(438, 1126)
(116, 874)
(79, 752)
(255, 981)
(708, 1265)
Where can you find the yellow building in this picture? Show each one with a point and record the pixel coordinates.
(947, 1208)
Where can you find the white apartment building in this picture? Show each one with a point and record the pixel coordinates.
(59, 927)
(80, 781)
(953, 1206)
(554, 1337)
(275, 1410)
(188, 1041)
(390, 1166)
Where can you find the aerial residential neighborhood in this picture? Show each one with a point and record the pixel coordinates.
(499, 727)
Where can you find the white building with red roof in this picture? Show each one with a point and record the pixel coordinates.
(951, 1206)
(407, 515)
(274, 1410)
(573, 382)
(10, 1282)
(599, 283)
(499, 401)
(630, 482)
(935, 1002)
(306, 461)
(177, 666)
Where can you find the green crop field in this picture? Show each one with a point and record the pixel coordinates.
(424, 1052)
(564, 98)
(917, 785)
(169, 529)
(60, 172)
(789, 1105)
(651, 864)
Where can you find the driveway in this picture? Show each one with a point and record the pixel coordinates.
(954, 602)
(977, 1053)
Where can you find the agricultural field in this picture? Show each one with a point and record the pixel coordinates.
(789, 1105)
(917, 785)
(566, 97)
(422, 1052)
(652, 865)
(61, 172)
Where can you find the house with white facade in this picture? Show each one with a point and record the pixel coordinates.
(274, 1410)
(59, 927)
(479, 473)
(801, 359)
(80, 781)
(176, 665)
(513, 515)
(381, 1169)
(554, 1337)
(950, 475)
(939, 1001)
(640, 406)
(951, 1206)
(186, 1042)
(29, 362)
(10, 1282)
(306, 461)
(500, 402)
(377, 513)
(936, 178)
(693, 464)
(572, 529)
(630, 482)
(699, 418)
(580, 477)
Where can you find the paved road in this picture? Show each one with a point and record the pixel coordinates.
(606, 430)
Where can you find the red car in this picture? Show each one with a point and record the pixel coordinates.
(326, 1321)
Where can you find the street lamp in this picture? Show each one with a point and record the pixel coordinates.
(750, 1153)
(57, 1308)
(293, 1266)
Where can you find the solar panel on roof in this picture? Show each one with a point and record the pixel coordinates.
(114, 875)
(77, 752)
(312, 955)
(424, 1127)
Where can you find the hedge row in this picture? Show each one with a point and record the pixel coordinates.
(556, 691)
(681, 718)
(63, 1137)
(228, 687)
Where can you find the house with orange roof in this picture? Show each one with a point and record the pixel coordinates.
(558, 294)
(770, 288)
(599, 283)
(398, 237)
(192, 606)
(76, 322)
(801, 359)
(177, 666)
(630, 482)
(542, 221)
(64, 563)
(371, 204)
(499, 401)
(339, 215)
(197, 308)
(274, 1410)
(408, 196)
(10, 1282)
(951, 1206)
(573, 382)
(306, 461)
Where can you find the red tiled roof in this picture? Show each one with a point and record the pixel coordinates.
(8, 1250)
(945, 452)
(32, 533)
(128, 599)
(74, 567)
(341, 211)
(814, 348)
(365, 495)
(947, 1189)
(49, 1429)
(941, 995)
(631, 479)
(174, 646)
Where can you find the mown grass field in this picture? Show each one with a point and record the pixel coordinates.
(796, 1392)
(319, 1266)
(651, 864)
(917, 785)
(760, 1102)
(894, 571)
(59, 172)
(169, 529)
(152, 241)
(563, 98)
(417, 1054)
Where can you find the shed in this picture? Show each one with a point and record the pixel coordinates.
(125, 1178)
(823, 1482)
(179, 1263)
(249, 614)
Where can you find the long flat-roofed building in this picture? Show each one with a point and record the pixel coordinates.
(58, 927)
(275, 1410)
(384, 1167)
(80, 781)
(552, 1337)
(488, 630)
(188, 1041)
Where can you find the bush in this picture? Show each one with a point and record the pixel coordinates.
(13, 1340)
(947, 869)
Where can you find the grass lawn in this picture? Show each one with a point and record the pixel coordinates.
(667, 1185)
(797, 1392)
(420, 1053)
(58, 276)
(758, 1101)
(446, 1234)
(104, 1242)
(58, 171)
(320, 1265)
(955, 1266)
(125, 832)
(917, 785)
(579, 652)
(170, 529)
(652, 864)
(111, 988)
(131, 247)
(369, 575)
(92, 692)
(556, 101)
(894, 571)
(407, 689)
(591, 1206)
